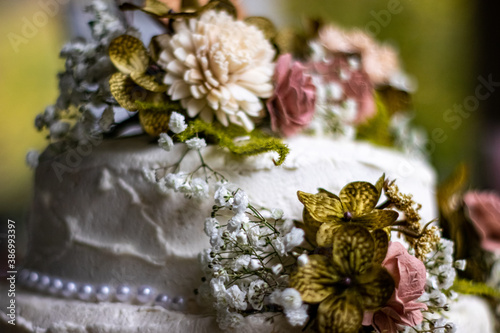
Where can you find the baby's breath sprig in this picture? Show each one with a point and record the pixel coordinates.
(252, 254)
(171, 178)
(441, 273)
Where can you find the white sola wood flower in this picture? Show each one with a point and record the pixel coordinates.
(218, 66)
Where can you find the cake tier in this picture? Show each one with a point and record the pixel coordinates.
(102, 222)
(43, 314)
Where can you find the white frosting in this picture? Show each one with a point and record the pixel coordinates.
(43, 314)
(105, 223)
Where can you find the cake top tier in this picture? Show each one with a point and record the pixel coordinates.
(234, 78)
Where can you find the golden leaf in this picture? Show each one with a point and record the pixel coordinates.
(315, 280)
(375, 288)
(321, 208)
(128, 54)
(380, 185)
(154, 122)
(263, 24)
(450, 192)
(359, 197)
(122, 87)
(381, 239)
(353, 248)
(323, 192)
(324, 235)
(310, 226)
(154, 7)
(377, 219)
(148, 82)
(340, 314)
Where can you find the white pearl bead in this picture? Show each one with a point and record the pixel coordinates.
(145, 294)
(85, 292)
(55, 286)
(163, 300)
(103, 293)
(23, 276)
(43, 282)
(178, 303)
(69, 289)
(123, 293)
(33, 279)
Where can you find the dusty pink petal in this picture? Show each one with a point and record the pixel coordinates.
(484, 211)
(292, 106)
(409, 275)
(383, 322)
(367, 108)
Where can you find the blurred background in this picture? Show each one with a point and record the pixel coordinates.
(449, 46)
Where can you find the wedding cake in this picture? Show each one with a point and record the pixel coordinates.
(264, 193)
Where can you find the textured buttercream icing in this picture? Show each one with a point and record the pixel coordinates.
(105, 223)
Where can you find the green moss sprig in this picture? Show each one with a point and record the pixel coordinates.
(257, 143)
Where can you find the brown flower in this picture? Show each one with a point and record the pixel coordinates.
(292, 105)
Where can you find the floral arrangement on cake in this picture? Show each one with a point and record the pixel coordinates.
(230, 78)
(360, 257)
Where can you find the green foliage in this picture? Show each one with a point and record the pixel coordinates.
(468, 287)
(257, 144)
(376, 129)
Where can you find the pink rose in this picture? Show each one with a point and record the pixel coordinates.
(484, 211)
(402, 309)
(292, 105)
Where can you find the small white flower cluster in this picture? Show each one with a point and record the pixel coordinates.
(177, 123)
(196, 143)
(248, 265)
(186, 183)
(32, 158)
(84, 88)
(295, 311)
(179, 182)
(331, 115)
(410, 139)
(441, 273)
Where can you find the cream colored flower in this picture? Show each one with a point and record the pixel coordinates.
(216, 65)
(379, 61)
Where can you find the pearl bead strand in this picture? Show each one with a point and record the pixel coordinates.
(143, 295)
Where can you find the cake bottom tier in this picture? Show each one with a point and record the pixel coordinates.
(44, 314)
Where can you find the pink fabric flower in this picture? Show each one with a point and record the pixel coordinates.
(379, 61)
(402, 309)
(484, 211)
(358, 87)
(292, 105)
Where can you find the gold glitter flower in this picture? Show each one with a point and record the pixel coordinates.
(138, 83)
(349, 282)
(325, 212)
